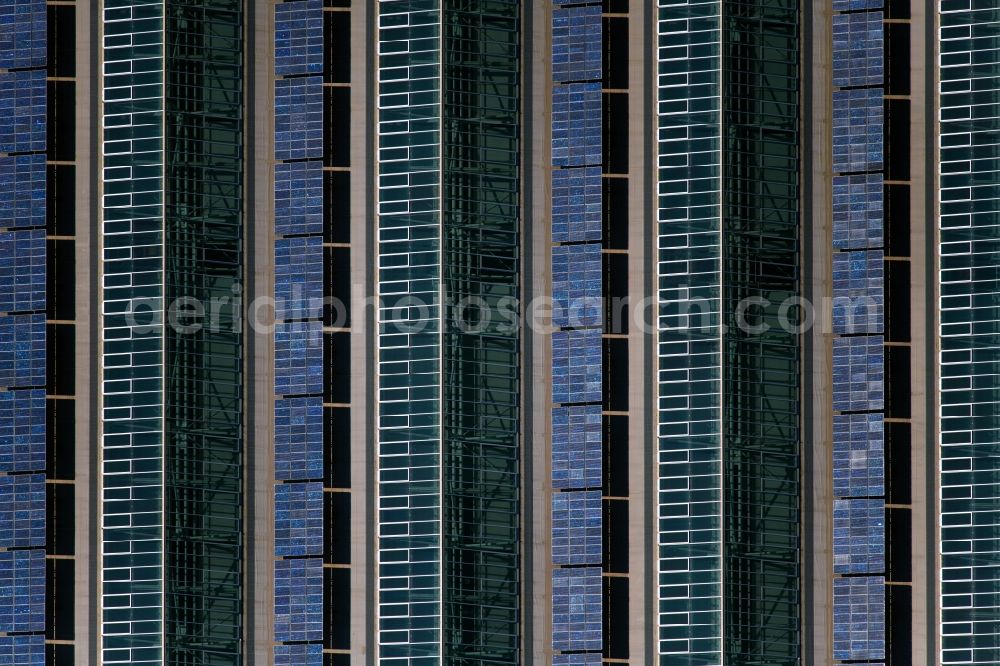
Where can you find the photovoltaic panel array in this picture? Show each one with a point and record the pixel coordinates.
(858, 455)
(852, 5)
(577, 659)
(576, 44)
(22, 111)
(857, 130)
(298, 439)
(298, 600)
(577, 447)
(858, 536)
(576, 527)
(298, 358)
(298, 277)
(576, 366)
(298, 519)
(22, 511)
(859, 618)
(298, 654)
(298, 37)
(298, 197)
(22, 590)
(23, 41)
(22, 351)
(858, 208)
(577, 204)
(857, 49)
(577, 285)
(576, 609)
(22, 270)
(23, 650)
(576, 125)
(858, 291)
(298, 118)
(22, 191)
(858, 373)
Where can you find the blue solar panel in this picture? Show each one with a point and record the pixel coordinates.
(22, 111)
(858, 371)
(298, 118)
(857, 49)
(22, 590)
(858, 291)
(22, 350)
(577, 659)
(577, 285)
(576, 124)
(22, 191)
(298, 519)
(857, 130)
(850, 5)
(576, 44)
(858, 455)
(857, 211)
(298, 439)
(858, 536)
(298, 654)
(298, 277)
(298, 37)
(298, 358)
(576, 609)
(23, 38)
(22, 510)
(298, 600)
(576, 447)
(577, 204)
(22, 431)
(298, 198)
(859, 618)
(576, 527)
(27, 650)
(576, 366)
(22, 270)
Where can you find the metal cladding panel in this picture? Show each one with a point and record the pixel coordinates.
(22, 270)
(576, 44)
(298, 278)
(298, 439)
(858, 291)
(22, 111)
(22, 350)
(26, 650)
(577, 527)
(298, 198)
(22, 511)
(298, 358)
(577, 616)
(298, 37)
(298, 654)
(859, 618)
(858, 208)
(298, 600)
(858, 130)
(858, 455)
(576, 125)
(576, 366)
(857, 49)
(22, 191)
(858, 373)
(577, 205)
(298, 118)
(577, 438)
(23, 38)
(577, 285)
(22, 591)
(298, 519)
(858, 536)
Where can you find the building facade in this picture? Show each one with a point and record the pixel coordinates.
(480, 332)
